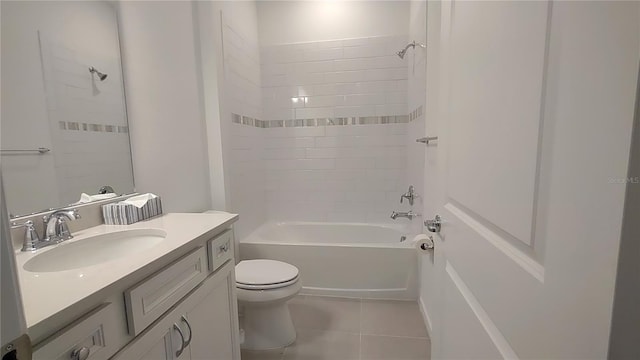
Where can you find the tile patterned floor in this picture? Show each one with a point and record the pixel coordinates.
(352, 329)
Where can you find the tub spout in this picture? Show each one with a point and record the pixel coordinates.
(409, 214)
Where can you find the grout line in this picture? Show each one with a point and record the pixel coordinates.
(400, 336)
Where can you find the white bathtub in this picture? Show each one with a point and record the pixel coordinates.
(340, 259)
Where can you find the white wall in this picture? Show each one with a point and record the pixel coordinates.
(230, 61)
(162, 84)
(242, 96)
(73, 36)
(283, 22)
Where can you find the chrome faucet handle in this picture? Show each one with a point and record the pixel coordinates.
(31, 238)
(409, 195)
(411, 215)
(106, 190)
(56, 227)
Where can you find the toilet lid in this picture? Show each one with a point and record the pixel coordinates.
(264, 272)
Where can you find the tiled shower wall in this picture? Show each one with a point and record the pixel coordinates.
(335, 173)
(321, 169)
(417, 80)
(330, 142)
(243, 144)
(337, 78)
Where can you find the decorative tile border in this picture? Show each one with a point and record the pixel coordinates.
(338, 121)
(415, 113)
(78, 126)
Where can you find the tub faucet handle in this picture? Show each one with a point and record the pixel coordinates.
(409, 195)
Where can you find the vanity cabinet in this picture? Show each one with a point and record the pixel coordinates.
(202, 326)
(185, 309)
(92, 337)
(148, 300)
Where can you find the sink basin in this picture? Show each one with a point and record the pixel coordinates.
(95, 250)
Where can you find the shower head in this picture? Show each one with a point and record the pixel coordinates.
(412, 44)
(101, 75)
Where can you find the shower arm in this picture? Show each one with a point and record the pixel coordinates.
(412, 44)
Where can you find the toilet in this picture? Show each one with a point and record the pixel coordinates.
(263, 288)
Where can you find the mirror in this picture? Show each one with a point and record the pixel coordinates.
(64, 127)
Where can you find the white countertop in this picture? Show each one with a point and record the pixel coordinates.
(46, 293)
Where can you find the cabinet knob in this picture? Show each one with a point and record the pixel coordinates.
(81, 353)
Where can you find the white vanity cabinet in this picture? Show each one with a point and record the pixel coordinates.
(202, 326)
(184, 309)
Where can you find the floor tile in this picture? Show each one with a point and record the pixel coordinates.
(394, 348)
(394, 318)
(324, 345)
(262, 355)
(326, 313)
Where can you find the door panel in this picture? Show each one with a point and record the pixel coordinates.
(461, 321)
(160, 350)
(497, 73)
(536, 105)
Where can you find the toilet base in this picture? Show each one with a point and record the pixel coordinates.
(267, 326)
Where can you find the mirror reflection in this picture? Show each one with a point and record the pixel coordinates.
(64, 128)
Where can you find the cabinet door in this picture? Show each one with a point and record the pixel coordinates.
(206, 320)
(154, 345)
(214, 321)
(161, 350)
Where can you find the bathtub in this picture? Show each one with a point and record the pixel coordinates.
(340, 259)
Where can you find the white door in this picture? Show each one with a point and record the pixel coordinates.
(534, 112)
(13, 327)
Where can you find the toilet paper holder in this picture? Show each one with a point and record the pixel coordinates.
(434, 225)
(428, 245)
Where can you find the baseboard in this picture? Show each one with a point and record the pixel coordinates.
(425, 317)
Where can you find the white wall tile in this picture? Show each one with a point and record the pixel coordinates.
(322, 68)
(355, 163)
(335, 173)
(283, 153)
(299, 164)
(294, 132)
(289, 142)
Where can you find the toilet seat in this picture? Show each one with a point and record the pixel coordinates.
(263, 274)
(267, 286)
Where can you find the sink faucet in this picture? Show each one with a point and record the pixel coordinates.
(56, 230)
(56, 227)
(409, 214)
